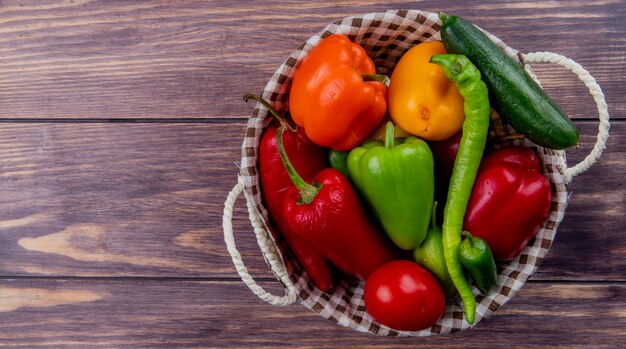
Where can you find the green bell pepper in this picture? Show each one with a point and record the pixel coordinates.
(396, 179)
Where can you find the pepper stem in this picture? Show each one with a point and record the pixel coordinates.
(469, 237)
(307, 191)
(390, 135)
(283, 123)
(433, 215)
(377, 77)
(453, 65)
(443, 16)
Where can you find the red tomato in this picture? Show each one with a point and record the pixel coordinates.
(404, 296)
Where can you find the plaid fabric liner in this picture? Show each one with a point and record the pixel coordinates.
(386, 36)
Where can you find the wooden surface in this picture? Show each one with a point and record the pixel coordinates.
(120, 126)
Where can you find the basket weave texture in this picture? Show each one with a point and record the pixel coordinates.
(386, 36)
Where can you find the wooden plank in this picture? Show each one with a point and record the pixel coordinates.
(142, 199)
(588, 240)
(110, 233)
(217, 314)
(195, 59)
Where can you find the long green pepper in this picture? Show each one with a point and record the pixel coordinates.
(466, 77)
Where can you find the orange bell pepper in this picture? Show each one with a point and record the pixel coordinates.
(329, 97)
(422, 100)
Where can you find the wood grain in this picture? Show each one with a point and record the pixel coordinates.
(219, 314)
(120, 127)
(141, 199)
(195, 59)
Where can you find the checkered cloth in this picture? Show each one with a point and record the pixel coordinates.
(385, 37)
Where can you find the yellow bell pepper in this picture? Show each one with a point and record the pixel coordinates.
(422, 100)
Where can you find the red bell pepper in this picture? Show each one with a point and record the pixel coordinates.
(275, 183)
(510, 201)
(326, 211)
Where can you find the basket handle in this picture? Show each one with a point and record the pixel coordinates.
(290, 296)
(598, 97)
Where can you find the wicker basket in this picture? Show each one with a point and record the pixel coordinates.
(386, 36)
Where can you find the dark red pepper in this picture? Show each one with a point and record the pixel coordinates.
(510, 201)
(275, 182)
(444, 154)
(326, 210)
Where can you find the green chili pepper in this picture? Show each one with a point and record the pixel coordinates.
(466, 77)
(430, 255)
(476, 257)
(339, 161)
(396, 179)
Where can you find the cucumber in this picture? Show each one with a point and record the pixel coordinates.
(513, 93)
